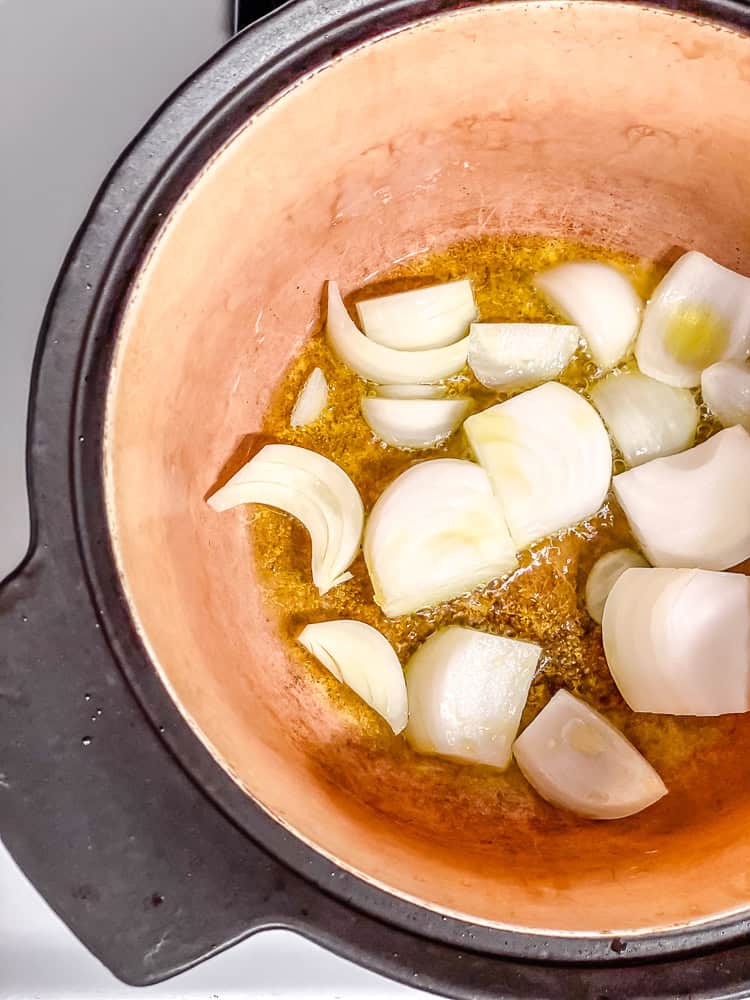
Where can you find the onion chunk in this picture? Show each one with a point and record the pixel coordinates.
(412, 391)
(414, 423)
(604, 574)
(520, 355)
(698, 315)
(646, 418)
(436, 532)
(677, 641)
(598, 299)
(315, 491)
(420, 319)
(577, 760)
(548, 456)
(467, 690)
(311, 401)
(726, 392)
(377, 363)
(363, 659)
(692, 509)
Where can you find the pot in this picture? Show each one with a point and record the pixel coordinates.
(224, 792)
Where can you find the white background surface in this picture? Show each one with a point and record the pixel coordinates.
(77, 80)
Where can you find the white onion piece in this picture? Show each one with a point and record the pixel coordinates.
(726, 392)
(604, 574)
(358, 655)
(414, 423)
(311, 401)
(698, 315)
(412, 391)
(386, 364)
(420, 319)
(598, 299)
(519, 355)
(677, 641)
(692, 509)
(315, 491)
(467, 690)
(577, 760)
(548, 456)
(436, 532)
(646, 418)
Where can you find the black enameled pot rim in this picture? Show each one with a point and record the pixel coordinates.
(66, 417)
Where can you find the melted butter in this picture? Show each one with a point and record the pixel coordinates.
(696, 336)
(542, 600)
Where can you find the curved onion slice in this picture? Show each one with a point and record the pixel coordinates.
(692, 509)
(420, 319)
(311, 401)
(548, 456)
(467, 690)
(412, 391)
(646, 418)
(726, 392)
(385, 364)
(598, 299)
(577, 760)
(315, 491)
(677, 641)
(436, 532)
(414, 423)
(698, 315)
(518, 355)
(363, 659)
(604, 574)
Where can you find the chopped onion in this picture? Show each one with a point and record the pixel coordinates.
(598, 299)
(311, 401)
(414, 423)
(604, 574)
(692, 509)
(467, 690)
(519, 355)
(315, 491)
(577, 760)
(412, 391)
(548, 456)
(386, 364)
(436, 532)
(698, 315)
(726, 392)
(646, 418)
(420, 319)
(677, 641)
(363, 659)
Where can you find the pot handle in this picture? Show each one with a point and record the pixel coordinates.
(96, 811)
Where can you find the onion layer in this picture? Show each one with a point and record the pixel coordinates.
(412, 391)
(414, 423)
(467, 690)
(598, 299)
(604, 574)
(698, 315)
(726, 392)
(548, 456)
(385, 364)
(692, 509)
(315, 491)
(646, 418)
(519, 355)
(365, 661)
(577, 760)
(311, 401)
(436, 532)
(420, 319)
(677, 641)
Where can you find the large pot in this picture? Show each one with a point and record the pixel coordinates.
(211, 798)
